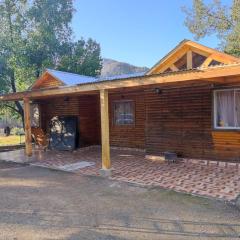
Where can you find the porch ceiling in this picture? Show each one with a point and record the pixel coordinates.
(212, 74)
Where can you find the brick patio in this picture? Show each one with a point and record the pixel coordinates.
(199, 177)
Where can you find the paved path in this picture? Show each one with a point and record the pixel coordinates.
(37, 203)
(199, 177)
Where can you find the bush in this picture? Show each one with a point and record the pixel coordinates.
(17, 131)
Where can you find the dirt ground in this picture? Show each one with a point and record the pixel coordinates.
(37, 203)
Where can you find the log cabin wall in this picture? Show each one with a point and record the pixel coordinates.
(180, 120)
(48, 82)
(131, 136)
(86, 108)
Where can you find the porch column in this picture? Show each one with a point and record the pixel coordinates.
(27, 123)
(106, 162)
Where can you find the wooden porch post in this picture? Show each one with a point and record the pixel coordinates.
(189, 60)
(27, 123)
(106, 162)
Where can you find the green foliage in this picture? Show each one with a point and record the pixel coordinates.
(17, 131)
(82, 57)
(37, 34)
(8, 111)
(49, 30)
(214, 18)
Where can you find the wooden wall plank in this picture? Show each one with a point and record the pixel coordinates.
(180, 120)
(47, 81)
(86, 108)
(132, 136)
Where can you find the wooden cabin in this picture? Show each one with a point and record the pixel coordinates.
(188, 103)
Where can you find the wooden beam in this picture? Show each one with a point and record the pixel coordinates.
(106, 162)
(171, 60)
(189, 60)
(206, 51)
(207, 62)
(173, 68)
(27, 123)
(215, 56)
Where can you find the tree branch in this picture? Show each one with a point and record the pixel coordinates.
(229, 23)
(13, 108)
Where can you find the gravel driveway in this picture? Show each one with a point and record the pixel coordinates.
(37, 203)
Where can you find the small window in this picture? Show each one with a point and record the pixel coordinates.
(123, 112)
(227, 109)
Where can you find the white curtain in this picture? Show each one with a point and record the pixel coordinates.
(119, 110)
(35, 115)
(123, 113)
(128, 113)
(225, 109)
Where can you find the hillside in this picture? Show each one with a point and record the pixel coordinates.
(112, 67)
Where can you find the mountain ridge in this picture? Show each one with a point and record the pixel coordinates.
(113, 67)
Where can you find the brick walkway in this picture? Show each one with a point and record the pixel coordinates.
(206, 178)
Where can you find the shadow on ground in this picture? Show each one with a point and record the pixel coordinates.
(38, 203)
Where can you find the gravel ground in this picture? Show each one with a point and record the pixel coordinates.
(37, 203)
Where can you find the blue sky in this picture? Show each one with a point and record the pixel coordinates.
(139, 32)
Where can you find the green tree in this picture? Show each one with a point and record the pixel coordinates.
(37, 34)
(82, 57)
(49, 31)
(215, 18)
(12, 32)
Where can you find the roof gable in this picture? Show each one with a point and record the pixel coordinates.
(53, 78)
(71, 78)
(46, 80)
(190, 55)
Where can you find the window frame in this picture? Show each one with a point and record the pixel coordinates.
(114, 117)
(215, 108)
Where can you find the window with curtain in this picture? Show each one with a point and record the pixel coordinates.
(123, 112)
(35, 115)
(227, 109)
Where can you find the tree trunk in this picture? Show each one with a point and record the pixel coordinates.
(12, 75)
(17, 103)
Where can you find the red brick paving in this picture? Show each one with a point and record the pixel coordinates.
(206, 178)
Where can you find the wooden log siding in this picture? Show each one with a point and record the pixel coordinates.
(131, 136)
(48, 82)
(180, 120)
(86, 108)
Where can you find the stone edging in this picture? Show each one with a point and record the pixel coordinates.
(212, 163)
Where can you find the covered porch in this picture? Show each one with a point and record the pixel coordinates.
(198, 177)
(92, 125)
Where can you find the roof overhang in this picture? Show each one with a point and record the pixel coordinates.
(212, 74)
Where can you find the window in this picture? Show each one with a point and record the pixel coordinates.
(123, 112)
(35, 115)
(227, 109)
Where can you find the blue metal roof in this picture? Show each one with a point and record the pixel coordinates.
(71, 79)
(116, 77)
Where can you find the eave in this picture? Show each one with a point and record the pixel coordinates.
(211, 74)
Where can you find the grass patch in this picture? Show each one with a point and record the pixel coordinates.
(11, 140)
